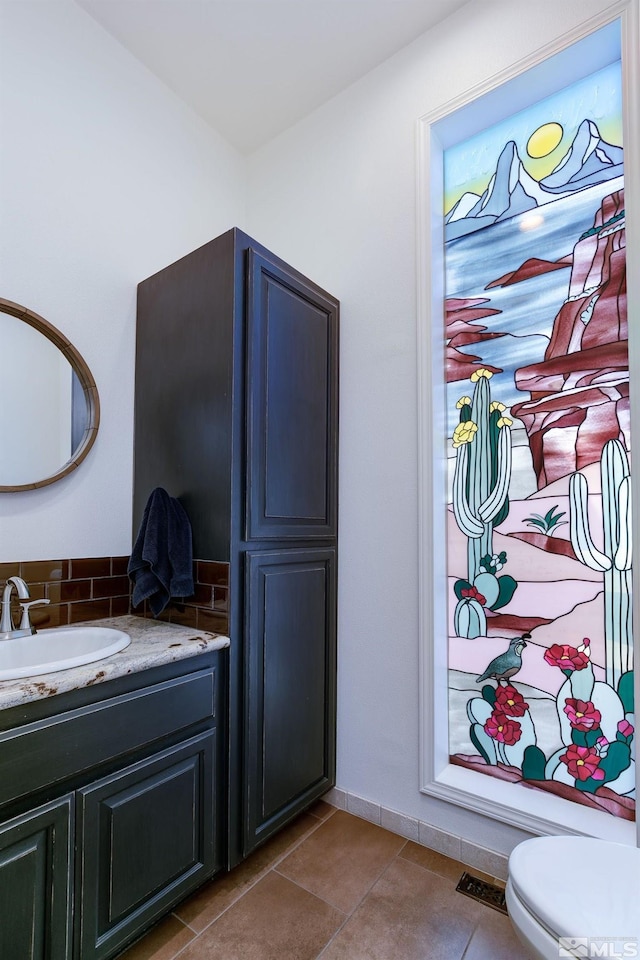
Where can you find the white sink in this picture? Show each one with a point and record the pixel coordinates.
(58, 649)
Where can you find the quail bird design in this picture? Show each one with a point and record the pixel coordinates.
(506, 664)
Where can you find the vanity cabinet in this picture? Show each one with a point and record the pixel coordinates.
(36, 880)
(147, 837)
(110, 810)
(236, 414)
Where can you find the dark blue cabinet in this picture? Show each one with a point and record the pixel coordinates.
(291, 406)
(290, 642)
(237, 415)
(111, 803)
(146, 837)
(36, 878)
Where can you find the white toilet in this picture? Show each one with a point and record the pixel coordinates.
(575, 896)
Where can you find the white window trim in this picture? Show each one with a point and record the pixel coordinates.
(531, 810)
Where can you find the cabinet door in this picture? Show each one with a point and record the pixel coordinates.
(292, 405)
(147, 836)
(35, 883)
(289, 685)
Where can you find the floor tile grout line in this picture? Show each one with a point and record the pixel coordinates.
(351, 915)
(360, 901)
(312, 893)
(333, 936)
(465, 868)
(277, 861)
(174, 955)
(442, 876)
(259, 876)
(471, 936)
(273, 868)
(470, 868)
(182, 949)
(298, 842)
(383, 871)
(184, 922)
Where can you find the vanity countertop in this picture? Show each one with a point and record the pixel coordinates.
(153, 643)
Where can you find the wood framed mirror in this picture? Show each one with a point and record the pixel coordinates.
(49, 401)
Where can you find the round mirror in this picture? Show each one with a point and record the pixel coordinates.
(48, 398)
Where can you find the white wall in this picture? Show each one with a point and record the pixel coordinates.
(105, 177)
(336, 195)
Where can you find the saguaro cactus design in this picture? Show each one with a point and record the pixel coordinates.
(483, 470)
(615, 561)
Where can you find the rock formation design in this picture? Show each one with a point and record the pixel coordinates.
(579, 393)
(461, 329)
(533, 267)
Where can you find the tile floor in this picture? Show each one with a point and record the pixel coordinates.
(336, 887)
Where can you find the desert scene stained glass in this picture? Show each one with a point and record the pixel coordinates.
(539, 536)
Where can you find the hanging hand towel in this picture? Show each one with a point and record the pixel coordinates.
(161, 564)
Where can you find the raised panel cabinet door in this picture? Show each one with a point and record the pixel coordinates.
(148, 836)
(36, 874)
(289, 685)
(292, 405)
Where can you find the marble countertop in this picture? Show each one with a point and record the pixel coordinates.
(153, 643)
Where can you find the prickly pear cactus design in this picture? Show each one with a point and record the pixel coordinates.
(615, 560)
(470, 619)
(596, 726)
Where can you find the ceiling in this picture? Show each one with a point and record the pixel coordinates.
(251, 68)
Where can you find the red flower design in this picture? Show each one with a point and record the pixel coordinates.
(583, 762)
(474, 594)
(510, 702)
(582, 714)
(566, 657)
(502, 728)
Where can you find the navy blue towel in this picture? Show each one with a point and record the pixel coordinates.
(161, 564)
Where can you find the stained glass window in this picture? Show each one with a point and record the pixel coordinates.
(540, 649)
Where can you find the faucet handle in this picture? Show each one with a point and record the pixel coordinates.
(25, 622)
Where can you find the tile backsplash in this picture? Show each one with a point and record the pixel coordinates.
(208, 608)
(90, 588)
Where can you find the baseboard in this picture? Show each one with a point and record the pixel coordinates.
(488, 861)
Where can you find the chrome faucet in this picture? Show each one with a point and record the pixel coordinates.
(26, 628)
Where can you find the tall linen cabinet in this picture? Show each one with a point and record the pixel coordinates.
(236, 415)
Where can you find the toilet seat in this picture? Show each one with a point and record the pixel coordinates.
(577, 887)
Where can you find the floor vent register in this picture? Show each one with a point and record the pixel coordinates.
(484, 892)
